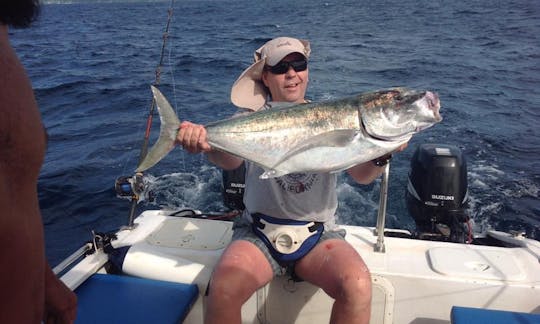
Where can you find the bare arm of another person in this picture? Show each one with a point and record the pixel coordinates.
(30, 291)
(60, 301)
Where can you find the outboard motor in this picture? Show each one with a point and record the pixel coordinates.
(233, 187)
(437, 194)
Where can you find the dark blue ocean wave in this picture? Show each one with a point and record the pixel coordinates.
(91, 65)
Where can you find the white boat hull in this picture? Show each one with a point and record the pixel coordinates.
(414, 281)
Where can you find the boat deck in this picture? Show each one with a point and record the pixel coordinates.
(414, 281)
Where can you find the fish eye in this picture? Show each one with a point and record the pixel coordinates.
(397, 95)
(393, 95)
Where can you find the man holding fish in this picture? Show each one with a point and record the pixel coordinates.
(288, 226)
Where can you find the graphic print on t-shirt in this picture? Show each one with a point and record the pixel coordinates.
(297, 182)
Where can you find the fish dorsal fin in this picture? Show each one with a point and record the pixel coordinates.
(335, 138)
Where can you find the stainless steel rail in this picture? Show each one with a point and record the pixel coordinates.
(381, 217)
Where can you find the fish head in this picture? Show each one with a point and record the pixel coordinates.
(398, 113)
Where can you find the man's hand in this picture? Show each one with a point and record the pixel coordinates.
(192, 137)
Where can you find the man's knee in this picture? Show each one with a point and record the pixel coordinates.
(354, 284)
(241, 271)
(359, 278)
(349, 277)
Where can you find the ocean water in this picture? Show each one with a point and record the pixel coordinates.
(91, 65)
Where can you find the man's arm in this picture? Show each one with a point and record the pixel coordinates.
(366, 172)
(192, 137)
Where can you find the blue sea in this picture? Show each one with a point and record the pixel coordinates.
(91, 65)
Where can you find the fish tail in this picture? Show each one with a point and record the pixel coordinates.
(167, 133)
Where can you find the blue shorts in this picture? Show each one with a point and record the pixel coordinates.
(242, 231)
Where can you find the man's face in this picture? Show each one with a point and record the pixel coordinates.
(289, 86)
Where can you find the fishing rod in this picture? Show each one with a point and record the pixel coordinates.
(144, 148)
(134, 186)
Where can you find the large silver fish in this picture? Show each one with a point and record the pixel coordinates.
(322, 137)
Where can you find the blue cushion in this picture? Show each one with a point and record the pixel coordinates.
(122, 299)
(461, 315)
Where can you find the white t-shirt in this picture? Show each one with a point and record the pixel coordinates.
(297, 196)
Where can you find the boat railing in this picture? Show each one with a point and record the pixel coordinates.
(381, 216)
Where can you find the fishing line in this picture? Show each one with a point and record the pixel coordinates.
(173, 81)
(175, 99)
(183, 115)
(144, 148)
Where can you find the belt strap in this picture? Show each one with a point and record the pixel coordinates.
(256, 220)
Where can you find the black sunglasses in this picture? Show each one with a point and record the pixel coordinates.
(283, 66)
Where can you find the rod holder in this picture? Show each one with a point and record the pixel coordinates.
(72, 258)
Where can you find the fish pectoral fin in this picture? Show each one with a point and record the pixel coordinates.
(336, 138)
(167, 134)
